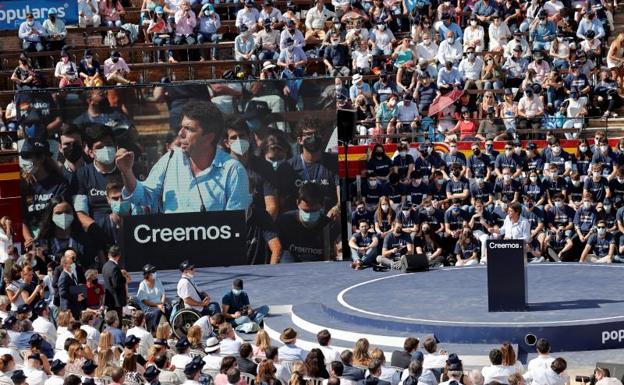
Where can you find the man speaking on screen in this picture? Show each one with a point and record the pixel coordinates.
(198, 176)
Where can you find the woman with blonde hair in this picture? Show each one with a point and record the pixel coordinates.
(105, 361)
(615, 58)
(361, 355)
(194, 336)
(163, 334)
(298, 372)
(106, 341)
(81, 336)
(261, 343)
(75, 359)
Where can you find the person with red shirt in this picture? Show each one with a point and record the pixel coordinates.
(95, 290)
(466, 127)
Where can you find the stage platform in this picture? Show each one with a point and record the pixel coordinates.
(577, 307)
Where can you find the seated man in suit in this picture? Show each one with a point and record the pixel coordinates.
(349, 371)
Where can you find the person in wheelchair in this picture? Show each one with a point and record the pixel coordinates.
(238, 310)
(190, 294)
(152, 298)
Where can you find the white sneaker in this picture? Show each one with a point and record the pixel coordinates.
(538, 260)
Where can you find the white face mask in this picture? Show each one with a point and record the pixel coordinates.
(239, 146)
(586, 205)
(384, 207)
(473, 23)
(604, 148)
(602, 231)
(63, 220)
(402, 154)
(596, 174)
(583, 149)
(27, 165)
(533, 179)
(372, 183)
(450, 40)
(236, 291)
(106, 155)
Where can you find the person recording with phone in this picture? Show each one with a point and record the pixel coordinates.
(196, 177)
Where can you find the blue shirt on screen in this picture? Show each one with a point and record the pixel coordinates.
(224, 185)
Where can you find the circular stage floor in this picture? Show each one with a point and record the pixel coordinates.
(577, 307)
(557, 294)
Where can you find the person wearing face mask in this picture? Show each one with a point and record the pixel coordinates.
(384, 216)
(90, 71)
(596, 184)
(387, 117)
(360, 213)
(363, 246)
(543, 33)
(267, 42)
(244, 45)
(536, 219)
(450, 50)
(54, 31)
(426, 90)
(307, 233)
(71, 146)
(600, 246)
(449, 78)
(457, 187)
(41, 181)
(577, 79)
(498, 32)
(554, 154)
(61, 229)
(470, 68)
(482, 191)
(69, 299)
(508, 159)
(604, 155)
(152, 298)
(395, 191)
(372, 190)
(261, 174)
(31, 33)
(478, 164)
(530, 110)
(576, 110)
(417, 190)
(467, 249)
(336, 58)
(437, 189)
(518, 43)
(432, 215)
(590, 23)
(515, 66)
(116, 70)
(190, 293)
(315, 21)
(607, 95)
(506, 189)
(238, 310)
(92, 179)
(209, 23)
(291, 32)
(397, 244)
(292, 59)
(607, 213)
(66, 72)
(540, 66)
(454, 219)
(474, 35)
(534, 161)
(247, 16)
(585, 220)
(403, 162)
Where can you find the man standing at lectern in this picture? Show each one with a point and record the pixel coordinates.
(515, 225)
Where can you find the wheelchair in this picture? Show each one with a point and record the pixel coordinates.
(182, 318)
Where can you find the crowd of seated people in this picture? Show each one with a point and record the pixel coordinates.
(566, 205)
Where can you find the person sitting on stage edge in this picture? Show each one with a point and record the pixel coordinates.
(190, 294)
(237, 309)
(397, 245)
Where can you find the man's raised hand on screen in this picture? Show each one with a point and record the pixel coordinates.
(124, 160)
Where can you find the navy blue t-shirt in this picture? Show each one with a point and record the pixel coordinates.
(608, 161)
(600, 246)
(409, 220)
(597, 189)
(306, 244)
(575, 192)
(357, 216)
(457, 158)
(423, 165)
(457, 187)
(435, 219)
(402, 164)
(507, 190)
(503, 161)
(363, 240)
(617, 188)
(36, 196)
(535, 163)
(585, 219)
(558, 160)
(467, 250)
(395, 192)
(535, 216)
(401, 241)
(92, 184)
(323, 172)
(381, 167)
(370, 194)
(562, 216)
(478, 165)
(555, 186)
(455, 218)
(481, 193)
(235, 302)
(417, 193)
(435, 193)
(535, 191)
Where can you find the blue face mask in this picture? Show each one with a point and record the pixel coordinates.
(120, 207)
(309, 217)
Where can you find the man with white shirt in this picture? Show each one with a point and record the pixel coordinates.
(42, 325)
(213, 357)
(140, 332)
(515, 226)
(193, 298)
(450, 50)
(373, 374)
(335, 370)
(4, 306)
(33, 372)
(316, 18)
(230, 344)
(552, 375)
(543, 359)
(290, 351)
(496, 371)
(324, 338)
(432, 358)
(58, 373)
(470, 68)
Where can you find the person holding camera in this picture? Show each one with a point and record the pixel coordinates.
(238, 310)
